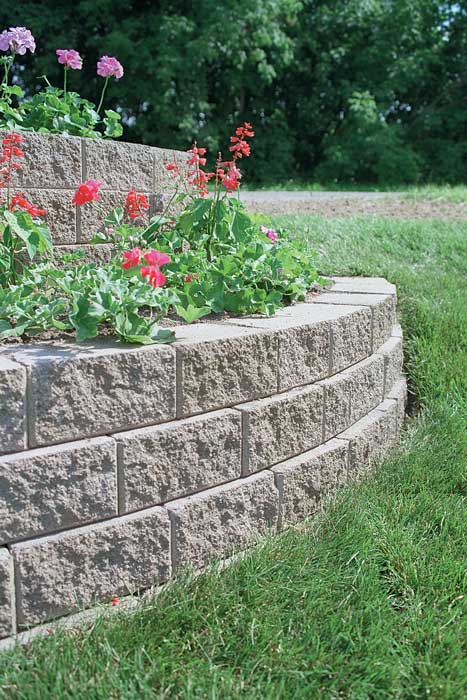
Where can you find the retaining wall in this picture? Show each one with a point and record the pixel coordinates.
(54, 166)
(122, 464)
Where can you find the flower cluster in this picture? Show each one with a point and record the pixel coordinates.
(19, 201)
(240, 146)
(196, 176)
(156, 260)
(270, 233)
(69, 58)
(108, 66)
(87, 192)
(10, 151)
(136, 204)
(227, 171)
(17, 40)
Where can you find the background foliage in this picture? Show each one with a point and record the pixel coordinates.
(347, 90)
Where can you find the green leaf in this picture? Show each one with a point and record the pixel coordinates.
(192, 313)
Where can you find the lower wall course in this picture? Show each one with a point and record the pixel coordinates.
(12, 406)
(351, 394)
(52, 488)
(281, 426)
(303, 480)
(62, 573)
(223, 520)
(371, 437)
(173, 460)
(7, 598)
(398, 392)
(393, 359)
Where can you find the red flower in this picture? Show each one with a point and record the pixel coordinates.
(135, 203)
(132, 258)
(115, 600)
(154, 275)
(10, 151)
(156, 258)
(87, 192)
(190, 278)
(20, 201)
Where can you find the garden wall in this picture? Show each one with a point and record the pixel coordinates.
(54, 166)
(123, 464)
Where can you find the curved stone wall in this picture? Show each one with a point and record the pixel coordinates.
(121, 464)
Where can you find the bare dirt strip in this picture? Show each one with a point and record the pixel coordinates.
(343, 204)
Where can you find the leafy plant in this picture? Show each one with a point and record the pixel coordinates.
(55, 110)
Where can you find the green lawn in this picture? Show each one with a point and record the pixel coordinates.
(368, 601)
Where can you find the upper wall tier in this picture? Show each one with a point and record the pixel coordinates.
(54, 166)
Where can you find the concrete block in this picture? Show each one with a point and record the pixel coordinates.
(223, 520)
(281, 426)
(52, 488)
(69, 571)
(175, 459)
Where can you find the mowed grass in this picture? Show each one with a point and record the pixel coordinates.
(368, 601)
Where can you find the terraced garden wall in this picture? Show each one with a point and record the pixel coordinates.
(122, 464)
(55, 165)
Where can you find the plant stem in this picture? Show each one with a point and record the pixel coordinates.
(102, 95)
(64, 81)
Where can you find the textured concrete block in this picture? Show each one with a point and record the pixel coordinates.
(371, 437)
(50, 162)
(69, 571)
(383, 311)
(351, 338)
(7, 598)
(176, 459)
(61, 213)
(223, 520)
(351, 394)
(12, 406)
(221, 365)
(305, 479)
(93, 389)
(91, 219)
(52, 488)
(366, 285)
(119, 165)
(304, 340)
(98, 253)
(398, 392)
(281, 426)
(393, 360)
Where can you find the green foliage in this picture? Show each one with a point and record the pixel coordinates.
(51, 111)
(86, 299)
(18, 229)
(219, 261)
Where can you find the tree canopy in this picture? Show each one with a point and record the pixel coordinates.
(345, 90)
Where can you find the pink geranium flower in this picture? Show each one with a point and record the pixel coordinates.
(87, 192)
(270, 233)
(132, 258)
(69, 58)
(154, 275)
(18, 40)
(156, 258)
(108, 66)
